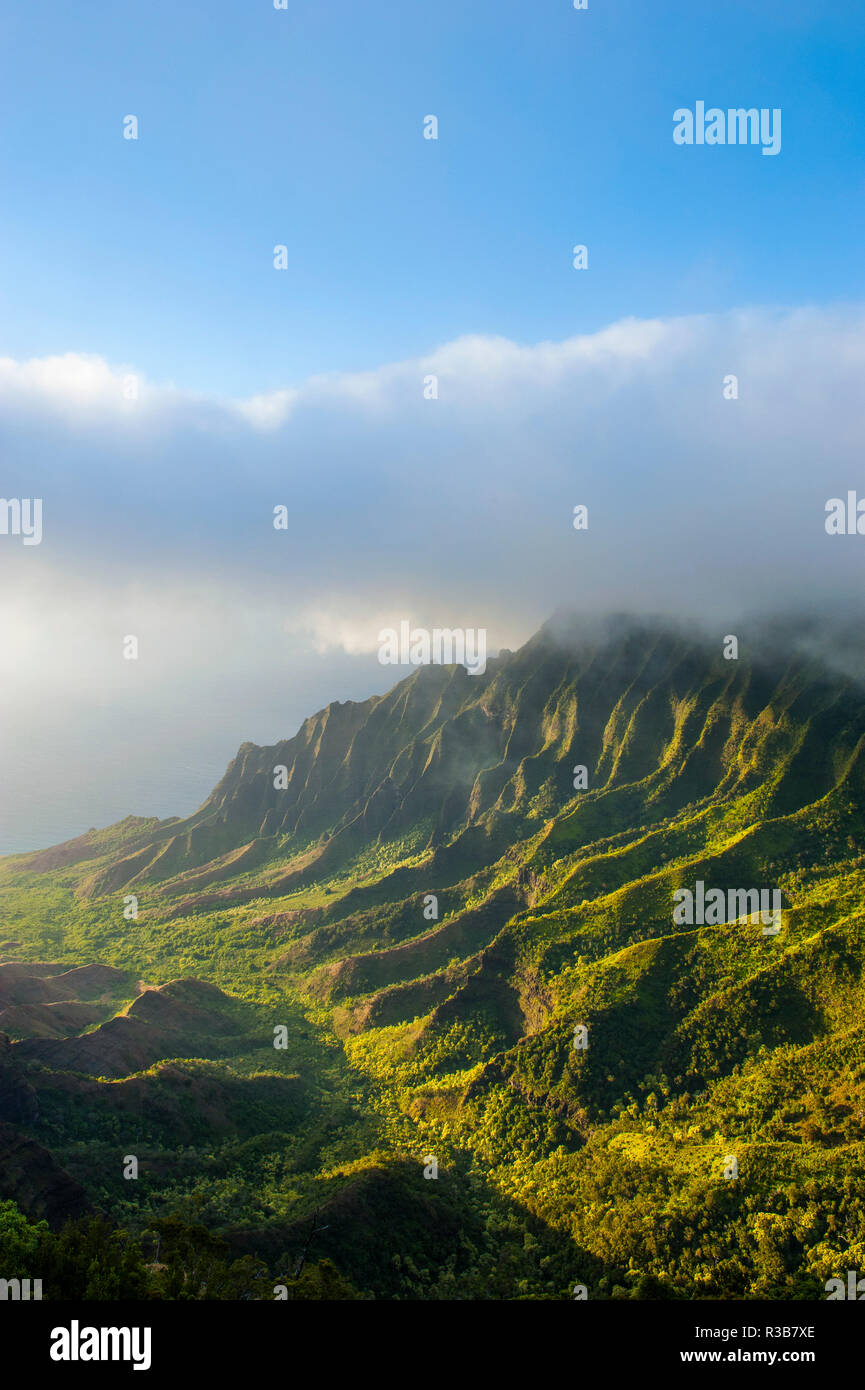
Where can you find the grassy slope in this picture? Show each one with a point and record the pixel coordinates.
(453, 1037)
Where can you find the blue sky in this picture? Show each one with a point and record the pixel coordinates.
(303, 127)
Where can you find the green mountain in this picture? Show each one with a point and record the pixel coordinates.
(470, 948)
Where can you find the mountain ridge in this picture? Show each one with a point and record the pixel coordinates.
(436, 908)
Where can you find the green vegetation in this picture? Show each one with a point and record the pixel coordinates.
(410, 1035)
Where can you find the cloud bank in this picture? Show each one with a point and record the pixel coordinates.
(441, 490)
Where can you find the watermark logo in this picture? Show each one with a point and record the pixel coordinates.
(22, 516)
(714, 907)
(21, 1290)
(854, 1288)
(444, 646)
(844, 518)
(732, 127)
(76, 1343)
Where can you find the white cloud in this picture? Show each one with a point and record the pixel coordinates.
(453, 512)
(395, 500)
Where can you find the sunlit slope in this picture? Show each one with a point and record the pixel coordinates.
(424, 883)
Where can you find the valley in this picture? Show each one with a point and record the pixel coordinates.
(304, 909)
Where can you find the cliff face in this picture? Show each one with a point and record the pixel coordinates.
(657, 718)
(441, 887)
